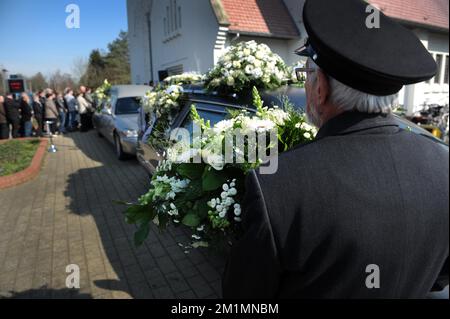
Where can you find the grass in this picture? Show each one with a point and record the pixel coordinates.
(16, 155)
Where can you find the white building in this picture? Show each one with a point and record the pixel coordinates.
(169, 37)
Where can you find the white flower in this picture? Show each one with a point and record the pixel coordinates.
(307, 135)
(238, 219)
(297, 125)
(257, 73)
(201, 228)
(222, 214)
(196, 237)
(223, 126)
(249, 69)
(232, 191)
(212, 203)
(225, 187)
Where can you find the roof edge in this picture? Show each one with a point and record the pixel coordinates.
(264, 35)
(220, 13)
(422, 25)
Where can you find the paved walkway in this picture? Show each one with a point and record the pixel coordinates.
(66, 216)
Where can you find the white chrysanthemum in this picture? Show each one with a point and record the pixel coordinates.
(257, 125)
(223, 126)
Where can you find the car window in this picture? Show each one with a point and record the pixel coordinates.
(127, 105)
(214, 115)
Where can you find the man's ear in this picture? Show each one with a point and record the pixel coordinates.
(323, 87)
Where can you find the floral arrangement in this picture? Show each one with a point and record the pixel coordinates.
(102, 95)
(163, 103)
(247, 65)
(206, 195)
(185, 78)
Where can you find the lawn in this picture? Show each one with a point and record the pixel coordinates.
(16, 155)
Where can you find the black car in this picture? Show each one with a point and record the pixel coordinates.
(214, 108)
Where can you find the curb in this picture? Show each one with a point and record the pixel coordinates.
(30, 172)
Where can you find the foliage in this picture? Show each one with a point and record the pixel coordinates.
(206, 194)
(113, 64)
(247, 65)
(102, 95)
(164, 105)
(185, 78)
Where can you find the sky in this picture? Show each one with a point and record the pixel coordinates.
(34, 36)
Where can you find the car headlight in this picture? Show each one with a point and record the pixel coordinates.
(130, 133)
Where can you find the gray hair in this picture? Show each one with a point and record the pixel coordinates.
(349, 99)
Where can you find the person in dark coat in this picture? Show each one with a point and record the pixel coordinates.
(4, 126)
(26, 112)
(12, 108)
(38, 114)
(362, 211)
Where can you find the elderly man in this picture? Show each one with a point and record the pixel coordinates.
(84, 109)
(361, 212)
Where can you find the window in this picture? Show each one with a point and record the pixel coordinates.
(437, 78)
(172, 20)
(208, 115)
(175, 70)
(128, 105)
(446, 70)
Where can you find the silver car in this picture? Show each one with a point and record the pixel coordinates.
(118, 122)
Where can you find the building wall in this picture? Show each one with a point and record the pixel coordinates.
(192, 44)
(138, 40)
(435, 91)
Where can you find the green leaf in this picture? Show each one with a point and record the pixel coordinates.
(191, 170)
(212, 179)
(137, 213)
(193, 191)
(191, 220)
(141, 234)
(202, 208)
(198, 244)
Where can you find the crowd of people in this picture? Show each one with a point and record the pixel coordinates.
(46, 111)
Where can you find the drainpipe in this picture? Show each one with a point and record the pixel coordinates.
(149, 23)
(235, 38)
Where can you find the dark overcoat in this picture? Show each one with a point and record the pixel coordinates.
(361, 212)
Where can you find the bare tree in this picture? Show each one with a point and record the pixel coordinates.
(58, 81)
(79, 68)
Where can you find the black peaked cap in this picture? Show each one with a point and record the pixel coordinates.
(377, 61)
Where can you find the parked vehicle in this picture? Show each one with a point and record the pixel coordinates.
(433, 118)
(215, 108)
(118, 122)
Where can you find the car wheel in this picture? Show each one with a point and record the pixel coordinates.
(118, 147)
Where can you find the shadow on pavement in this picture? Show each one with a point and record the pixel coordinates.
(158, 269)
(45, 293)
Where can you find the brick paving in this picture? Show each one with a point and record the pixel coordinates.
(67, 216)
